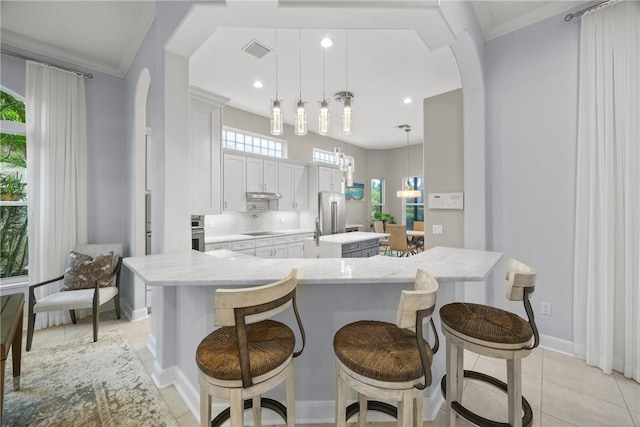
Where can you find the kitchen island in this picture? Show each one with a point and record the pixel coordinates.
(357, 244)
(331, 293)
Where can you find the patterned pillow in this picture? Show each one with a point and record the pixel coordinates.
(82, 271)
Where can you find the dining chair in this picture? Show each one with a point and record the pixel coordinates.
(398, 241)
(378, 227)
(419, 241)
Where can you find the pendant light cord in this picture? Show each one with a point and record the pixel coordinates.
(276, 64)
(300, 47)
(323, 76)
(346, 36)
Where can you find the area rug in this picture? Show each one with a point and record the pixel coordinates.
(82, 383)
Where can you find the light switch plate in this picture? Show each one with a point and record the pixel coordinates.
(437, 229)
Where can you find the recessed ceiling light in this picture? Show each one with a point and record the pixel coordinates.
(326, 42)
(257, 84)
(407, 100)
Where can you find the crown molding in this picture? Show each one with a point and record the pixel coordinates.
(207, 97)
(147, 16)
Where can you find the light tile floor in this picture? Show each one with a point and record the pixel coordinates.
(562, 390)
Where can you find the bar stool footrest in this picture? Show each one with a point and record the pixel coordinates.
(527, 418)
(265, 402)
(372, 405)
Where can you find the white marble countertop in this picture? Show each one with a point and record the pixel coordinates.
(227, 268)
(356, 236)
(240, 236)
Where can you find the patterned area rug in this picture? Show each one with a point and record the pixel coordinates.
(82, 383)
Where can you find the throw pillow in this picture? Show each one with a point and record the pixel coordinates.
(82, 271)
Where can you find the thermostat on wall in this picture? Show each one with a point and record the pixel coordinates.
(446, 200)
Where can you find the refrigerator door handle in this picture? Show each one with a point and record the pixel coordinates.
(334, 217)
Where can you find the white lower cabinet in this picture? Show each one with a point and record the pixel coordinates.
(296, 250)
(289, 246)
(215, 246)
(247, 251)
(275, 251)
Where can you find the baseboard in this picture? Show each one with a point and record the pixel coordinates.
(130, 313)
(163, 377)
(556, 344)
(307, 412)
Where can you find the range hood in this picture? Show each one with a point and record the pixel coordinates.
(262, 196)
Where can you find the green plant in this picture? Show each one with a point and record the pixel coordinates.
(385, 218)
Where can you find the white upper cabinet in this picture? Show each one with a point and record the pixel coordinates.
(235, 184)
(293, 184)
(329, 179)
(205, 131)
(262, 175)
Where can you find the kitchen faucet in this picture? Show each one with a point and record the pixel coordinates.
(316, 237)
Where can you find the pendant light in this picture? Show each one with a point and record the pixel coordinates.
(345, 97)
(408, 192)
(276, 111)
(323, 119)
(300, 127)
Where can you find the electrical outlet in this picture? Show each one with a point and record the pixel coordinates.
(281, 220)
(437, 229)
(212, 224)
(545, 308)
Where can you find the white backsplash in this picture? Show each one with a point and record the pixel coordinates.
(242, 222)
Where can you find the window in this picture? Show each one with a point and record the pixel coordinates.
(414, 208)
(324, 156)
(14, 251)
(377, 196)
(239, 140)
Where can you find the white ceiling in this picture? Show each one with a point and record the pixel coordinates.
(385, 65)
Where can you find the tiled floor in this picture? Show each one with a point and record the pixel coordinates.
(562, 390)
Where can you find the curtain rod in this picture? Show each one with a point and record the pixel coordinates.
(579, 13)
(26, 58)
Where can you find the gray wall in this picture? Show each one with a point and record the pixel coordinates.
(444, 165)
(532, 99)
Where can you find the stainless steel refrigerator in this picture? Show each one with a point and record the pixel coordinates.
(331, 212)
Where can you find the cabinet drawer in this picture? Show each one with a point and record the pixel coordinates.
(295, 238)
(370, 252)
(350, 247)
(251, 251)
(373, 243)
(216, 246)
(260, 243)
(279, 240)
(354, 254)
(244, 244)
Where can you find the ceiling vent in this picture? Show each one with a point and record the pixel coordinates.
(256, 49)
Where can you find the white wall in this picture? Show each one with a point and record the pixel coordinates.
(532, 99)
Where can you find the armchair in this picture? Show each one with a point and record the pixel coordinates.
(75, 299)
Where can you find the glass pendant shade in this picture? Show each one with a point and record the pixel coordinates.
(276, 118)
(350, 176)
(408, 192)
(346, 116)
(301, 119)
(323, 119)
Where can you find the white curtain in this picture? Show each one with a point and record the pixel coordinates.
(57, 175)
(607, 243)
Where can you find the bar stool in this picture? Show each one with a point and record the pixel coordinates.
(388, 361)
(495, 333)
(250, 354)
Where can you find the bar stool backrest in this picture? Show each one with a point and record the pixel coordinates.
(256, 303)
(412, 302)
(520, 276)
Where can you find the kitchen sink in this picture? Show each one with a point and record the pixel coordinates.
(263, 233)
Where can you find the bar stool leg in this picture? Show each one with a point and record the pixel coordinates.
(459, 370)
(514, 389)
(341, 404)
(452, 380)
(237, 408)
(362, 415)
(419, 410)
(256, 411)
(291, 397)
(205, 407)
(405, 409)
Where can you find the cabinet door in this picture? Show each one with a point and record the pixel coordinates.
(255, 181)
(301, 188)
(204, 158)
(324, 178)
(336, 180)
(280, 251)
(296, 250)
(270, 176)
(286, 187)
(234, 182)
(264, 252)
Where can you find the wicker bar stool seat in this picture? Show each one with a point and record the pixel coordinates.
(250, 354)
(491, 332)
(390, 361)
